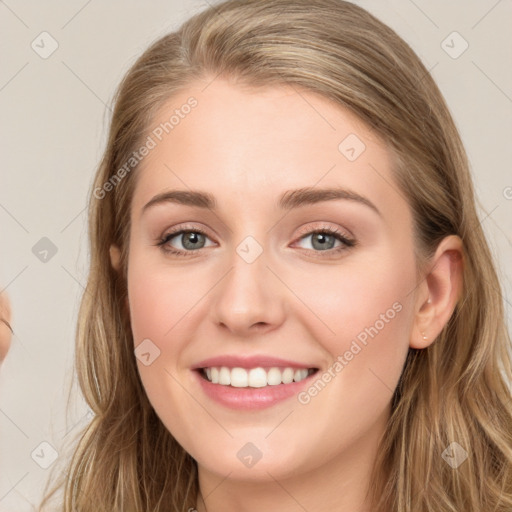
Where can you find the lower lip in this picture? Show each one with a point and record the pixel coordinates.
(251, 398)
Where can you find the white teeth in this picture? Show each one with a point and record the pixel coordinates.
(288, 374)
(224, 376)
(299, 375)
(239, 378)
(274, 377)
(255, 377)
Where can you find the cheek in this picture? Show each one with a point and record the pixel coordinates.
(164, 304)
(157, 312)
(157, 299)
(368, 308)
(355, 300)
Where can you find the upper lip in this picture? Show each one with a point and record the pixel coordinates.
(254, 361)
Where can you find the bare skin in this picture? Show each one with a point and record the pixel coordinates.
(296, 300)
(5, 325)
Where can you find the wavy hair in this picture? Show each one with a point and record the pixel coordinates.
(456, 390)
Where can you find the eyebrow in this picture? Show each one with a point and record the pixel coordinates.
(288, 200)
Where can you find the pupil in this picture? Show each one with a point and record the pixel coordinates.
(191, 238)
(321, 240)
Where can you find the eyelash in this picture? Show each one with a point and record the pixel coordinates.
(346, 241)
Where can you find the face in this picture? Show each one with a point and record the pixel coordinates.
(314, 284)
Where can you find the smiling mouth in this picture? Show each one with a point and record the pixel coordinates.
(258, 377)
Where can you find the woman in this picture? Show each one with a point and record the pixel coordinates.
(291, 303)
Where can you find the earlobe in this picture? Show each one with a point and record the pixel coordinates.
(115, 256)
(440, 293)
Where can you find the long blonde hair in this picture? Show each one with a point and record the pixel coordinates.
(453, 391)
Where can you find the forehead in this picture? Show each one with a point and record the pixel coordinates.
(251, 144)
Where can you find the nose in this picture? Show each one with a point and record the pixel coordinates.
(250, 298)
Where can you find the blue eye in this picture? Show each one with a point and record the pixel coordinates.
(193, 240)
(190, 239)
(324, 239)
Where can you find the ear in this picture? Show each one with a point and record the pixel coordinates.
(438, 293)
(115, 256)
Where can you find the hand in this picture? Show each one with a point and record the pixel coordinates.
(5, 325)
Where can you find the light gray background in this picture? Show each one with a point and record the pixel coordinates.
(54, 115)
